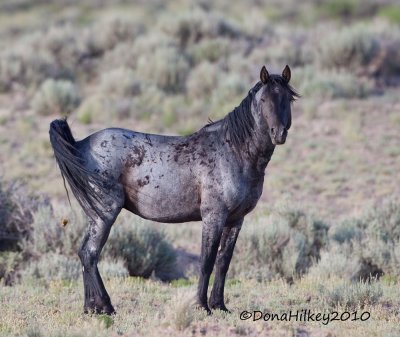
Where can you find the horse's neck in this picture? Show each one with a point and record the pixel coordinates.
(261, 145)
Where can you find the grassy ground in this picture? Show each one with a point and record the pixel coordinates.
(165, 68)
(151, 308)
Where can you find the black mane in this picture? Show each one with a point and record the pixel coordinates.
(239, 123)
(279, 80)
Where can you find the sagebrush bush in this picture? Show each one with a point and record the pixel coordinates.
(197, 24)
(53, 266)
(119, 82)
(364, 247)
(132, 246)
(364, 49)
(285, 244)
(145, 250)
(352, 295)
(110, 268)
(166, 67)
(114, 29)
(56, 97)
(202, 80)
(211, 50)
(9, 263)
(284, 48)
(229, 93)
(323, 84)
(17, 207)
(337, 261)
(350, 48)
(92, 109)
(123, 55)
(50, 236)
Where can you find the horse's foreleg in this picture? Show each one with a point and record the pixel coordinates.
(211, 236)
(96, 297)
(224, 256)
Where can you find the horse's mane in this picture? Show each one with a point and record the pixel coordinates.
(239, 123)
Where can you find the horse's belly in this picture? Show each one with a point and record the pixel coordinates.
(164, 204)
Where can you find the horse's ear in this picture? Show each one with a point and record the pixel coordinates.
(286, 74)
(264, 75)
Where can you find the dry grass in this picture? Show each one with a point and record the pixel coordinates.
(165, 68)
(152, 308)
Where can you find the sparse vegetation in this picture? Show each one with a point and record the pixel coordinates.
(56, 97)
(165, 68)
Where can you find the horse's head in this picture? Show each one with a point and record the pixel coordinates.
(274, 103)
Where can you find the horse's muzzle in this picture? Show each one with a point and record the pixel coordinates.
(278, 136)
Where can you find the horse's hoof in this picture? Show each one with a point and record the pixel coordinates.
(221, 307)
(205, 307)
(105, 309)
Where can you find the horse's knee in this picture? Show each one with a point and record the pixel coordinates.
(88, 257)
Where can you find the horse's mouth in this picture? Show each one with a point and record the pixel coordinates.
(279, 140)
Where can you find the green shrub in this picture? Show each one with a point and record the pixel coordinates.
(231, 88)
(197, 24)
(337, 261)
(285, 244)
(56, 266)
(324, 84)
(166, 67)
(114, 29)
(391, 12)
(210, 50)
(283, 48)
(352, 295)
(53, 266)
(11, 68)
(120, 82)
(202, 80)
(339, 8)
(364, 247)
(123, 55)
(350, 48)
(17, 207)
(92, 109)
(110, 268)
(56, 97)
(9, 263)
(145, 250)
(50, 236)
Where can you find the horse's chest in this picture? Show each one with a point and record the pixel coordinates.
(243, 196)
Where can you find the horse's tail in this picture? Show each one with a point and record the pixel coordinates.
(87, 186)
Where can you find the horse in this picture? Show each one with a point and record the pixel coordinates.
(214, 175)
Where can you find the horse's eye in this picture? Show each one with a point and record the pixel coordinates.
(262, 99)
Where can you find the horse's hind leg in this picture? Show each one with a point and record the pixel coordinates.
(96, 297)
(224, 256)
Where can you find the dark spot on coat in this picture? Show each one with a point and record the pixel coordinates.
(104, 143)
(148, 140)
(135, 158)
(143, 182)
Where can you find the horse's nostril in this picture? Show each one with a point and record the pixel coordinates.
(273, 131)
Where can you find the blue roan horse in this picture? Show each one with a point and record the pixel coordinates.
(215, 176)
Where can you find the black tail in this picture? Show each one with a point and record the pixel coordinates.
(87, 186)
